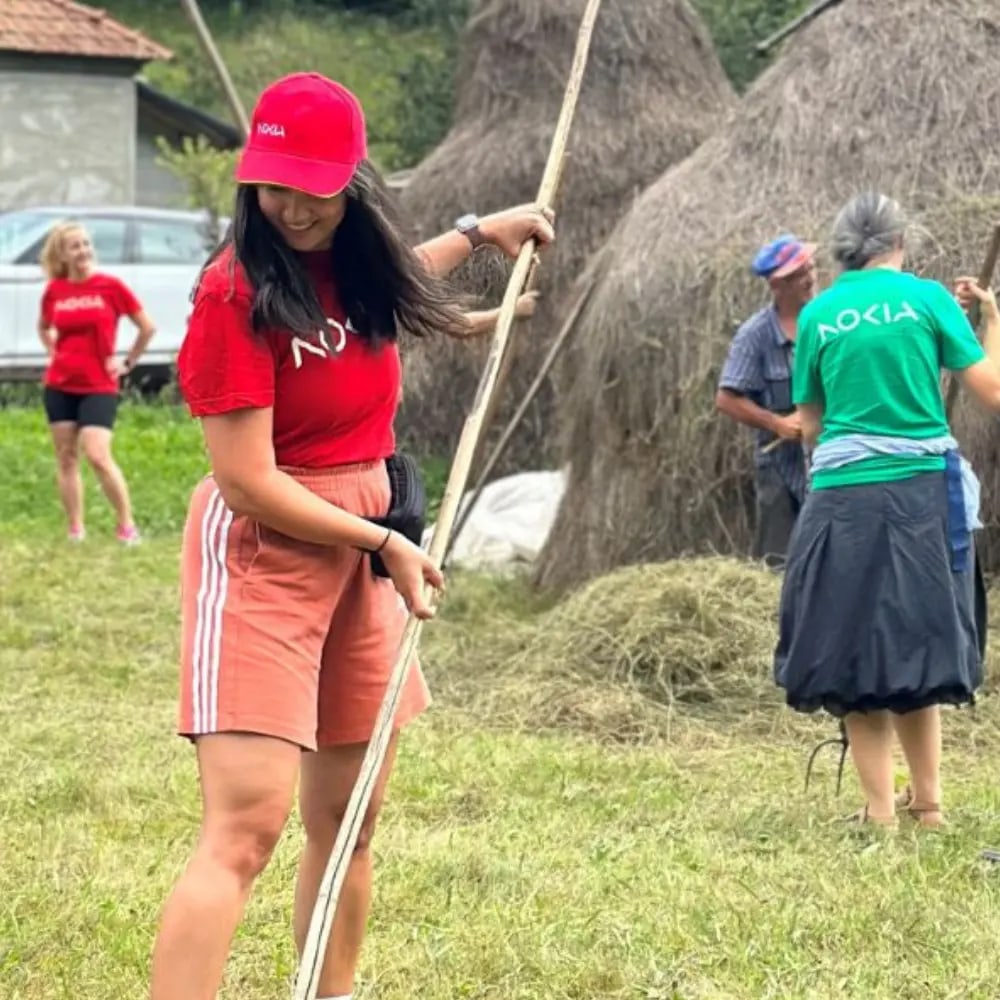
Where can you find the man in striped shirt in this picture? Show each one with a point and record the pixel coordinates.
(755, 389)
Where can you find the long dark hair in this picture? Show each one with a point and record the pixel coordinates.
(380, 281)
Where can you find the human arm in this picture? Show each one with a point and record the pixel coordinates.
(241, 453)
(508, 230)
(146, 330)
(811, 421)
(46, 330)
(47, 335)
(746, 411)
(742, 376)
(807, 382)
(981, 377)
(483, 321)
(126, 304)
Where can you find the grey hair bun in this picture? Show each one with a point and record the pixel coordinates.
(868, 226)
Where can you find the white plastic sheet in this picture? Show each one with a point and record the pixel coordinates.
(510, 523)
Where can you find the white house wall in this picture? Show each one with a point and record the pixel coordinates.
(66, 139)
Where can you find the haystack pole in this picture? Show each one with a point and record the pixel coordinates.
(809, 14)
(218, 64)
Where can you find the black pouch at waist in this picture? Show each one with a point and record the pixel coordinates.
(407, 504)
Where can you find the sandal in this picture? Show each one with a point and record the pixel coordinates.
(923, 814)
(928, 815)
(863, 818)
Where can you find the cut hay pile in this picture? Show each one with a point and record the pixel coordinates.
(611, 659)
(902, 96)
(653, 90)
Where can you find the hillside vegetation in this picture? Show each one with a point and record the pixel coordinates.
(397, 55)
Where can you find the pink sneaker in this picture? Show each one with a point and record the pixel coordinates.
(128, 535)
(76, 534)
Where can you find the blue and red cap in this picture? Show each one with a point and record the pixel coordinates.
(782, 256)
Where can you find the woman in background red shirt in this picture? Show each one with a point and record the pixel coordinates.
(288, 636)
(78, 326)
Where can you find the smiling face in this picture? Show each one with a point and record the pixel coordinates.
(304, 222)
(76, 252)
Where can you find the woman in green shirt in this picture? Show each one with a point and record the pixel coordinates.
(878, 619)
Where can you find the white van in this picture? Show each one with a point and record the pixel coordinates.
(158, 253)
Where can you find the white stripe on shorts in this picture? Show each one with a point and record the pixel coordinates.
(215, 524)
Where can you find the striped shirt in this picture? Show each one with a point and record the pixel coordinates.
(759, 366)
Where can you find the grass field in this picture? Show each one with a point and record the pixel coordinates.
(513, 865)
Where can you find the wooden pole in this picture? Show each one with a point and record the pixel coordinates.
(804, 18)
(193, 12)
(310, 965)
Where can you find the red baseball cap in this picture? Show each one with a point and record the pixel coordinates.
(308, 133)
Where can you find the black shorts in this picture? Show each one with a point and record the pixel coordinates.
(89, 409)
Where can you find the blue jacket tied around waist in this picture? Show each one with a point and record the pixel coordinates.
(962, 483)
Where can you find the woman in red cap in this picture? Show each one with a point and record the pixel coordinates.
(291, 363)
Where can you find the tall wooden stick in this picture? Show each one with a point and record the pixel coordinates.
(193, 12)
(310, 965)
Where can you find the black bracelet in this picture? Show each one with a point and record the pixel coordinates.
(385, 541)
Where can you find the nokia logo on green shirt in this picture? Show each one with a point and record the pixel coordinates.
(879, 314)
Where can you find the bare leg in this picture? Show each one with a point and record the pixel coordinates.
(96, 445)
(65, 438)
(328, 778)
(870, 737)
(247, 788)
(920, 736)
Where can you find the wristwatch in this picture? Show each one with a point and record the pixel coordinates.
(468, 226)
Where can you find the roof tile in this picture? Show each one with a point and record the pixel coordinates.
(63, 27)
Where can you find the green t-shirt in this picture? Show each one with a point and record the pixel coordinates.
(869, 351)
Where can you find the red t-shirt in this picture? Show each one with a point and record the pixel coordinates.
(334, 396)
(85, 316)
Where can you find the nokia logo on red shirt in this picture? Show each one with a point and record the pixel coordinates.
(79, 302)
(268, 128)
(324, 349)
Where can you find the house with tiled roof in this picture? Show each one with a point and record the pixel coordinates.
(77, 123)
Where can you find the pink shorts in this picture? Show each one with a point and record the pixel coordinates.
(286, 638)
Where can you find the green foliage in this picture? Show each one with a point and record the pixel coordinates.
(737, 25)
(207, 174)
(400, 66)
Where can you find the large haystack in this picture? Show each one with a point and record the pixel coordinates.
(902, 96)
(653, 90)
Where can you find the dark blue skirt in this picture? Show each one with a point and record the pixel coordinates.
(873, 615)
